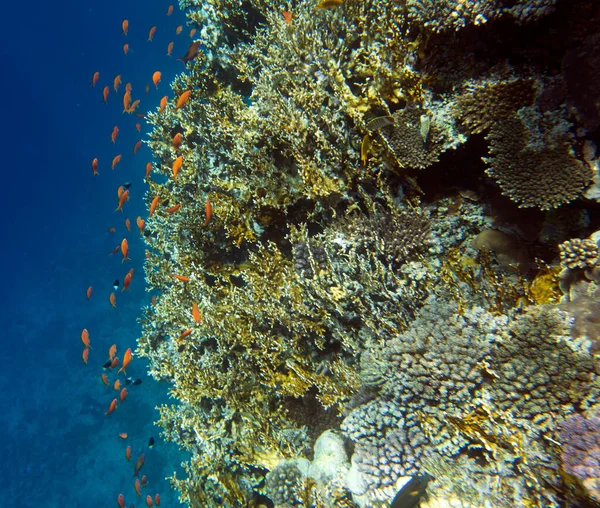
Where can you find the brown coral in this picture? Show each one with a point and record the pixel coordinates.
(579, 253)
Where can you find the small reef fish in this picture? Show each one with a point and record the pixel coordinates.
(329, 4)
(114, 363)
(173, 209)
(105, 379)
(125, 49)
(170, 10)
(123, 198)
(154, 204)
(126, 360)
(144, 481)
(134, 106)
(138, 465)
(151, 33)
(137, 146)
(95, 166)
(112, 351)
(111, 230)
(191, 53)
(209, 211)
(128, 453)
(170, 48)
(192, 33)
(126, 101)
(177, 140)
(112, 407)
(156, 78)
(141, 224)
(85, 338)
(123, 394)
(117, 385)
(364, 149)
(85, 355)
(157, 500)
(179, 29)
(126, 282)
(182, 278)
(128, 87)
(287, 17)
(105, 93)
(196, 313)
(138, 126)
(163, 104)
(113, 301)
(177, 166)
(150, 442)
(128, 225)
(379, 122)
(115, 250)
(149, 501)
(95, 77)
(125, 26)
(124, 249)
(117, 82)
(121, 501)
(153, 300)
(115, 133)
(138, 487)
(88, 293)
(116, 161)
(183, 98)
(123, 435)
(184, 334)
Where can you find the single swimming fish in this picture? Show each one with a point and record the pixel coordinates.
(123, 394)
(123, 435)
(138, 126)
(163, 104)
(364, 149)
(138, 488)
(117, 82)
(192, 33)
(105, 379)
(191, 53)
(170, 10)
(114, 363)
(123, 198)
(112, 407)
(105, 93)
(154, 204)
(141, 223)
(137, 146)
(125, 26)
(88, 293)
(209, 211)
(95, 166)
(177, 166)
(182, 278)
(156, 78)
(149, 501)
(128, 225)
(151, 33)
(112, 351)
(329, 4)
(287, 17)
(111, 230)
(126, 282)
(113, 302)
(124, 249)
(144, 480)
(134, 106)
(126, 101)
(128, 453)
(126, 360)
(177, 140)
(170, 48)
(183, 98)
(85, 337)
(117, 385)
(85, 355)
(173, 209)
(179, 29)
(95, 77)
(125, 49)
(196, 312)
(157, 500)
(115, 133)
(115, 161)
(121, 501)
(128, 87)
(138, 465)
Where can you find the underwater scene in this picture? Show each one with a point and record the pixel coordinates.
(313, 253)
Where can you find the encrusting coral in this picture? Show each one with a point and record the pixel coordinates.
(312, 296)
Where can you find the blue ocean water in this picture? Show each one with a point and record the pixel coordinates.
(57, 446)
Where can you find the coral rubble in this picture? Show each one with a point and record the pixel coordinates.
(342, 305)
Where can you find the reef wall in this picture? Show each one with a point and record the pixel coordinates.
(357, 264)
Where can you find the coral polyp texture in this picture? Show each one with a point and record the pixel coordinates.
(350, 303)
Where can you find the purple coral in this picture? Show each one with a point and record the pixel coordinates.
(581, 450)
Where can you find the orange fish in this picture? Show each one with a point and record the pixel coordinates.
(95, 77)
(137, 146)
(128, 453)
(115, 161)
(177, 166)
(173, 209)
(115, 250)
(85, 337)
(125, 49)
(126, 282)
(121, 501)
(182, 278)
(125, 26)
(151, 33)
(163, 104)
(113, 301)
(85, 355)
(95, 166)
(117, 385)
(148, 169)
(138, 126)
(138, 488)
(112, 351)
(153, 300)
(126, 360)
(128, 87)
(183, 98)
(124, 249)
(115, 362)
(138, 465)
(117, 82)
(154, 204)
(191, 53)
(157, 500)
(123, 198)
(112, 407)
(115, 133)
(105, 379)
(123, 395)
(120, 190)
(196, 313)
(156, 78)
(111, 230)
(141, 223)
(144, 480)
(177, 140)
(192, 32)
(178, 29)
(88, 293)
(123, 435)
(209, 211)
(170, 10)
(128, 224)
(134, 106)
(287, 16)
(170, 48)
(105, 93)
(184, 334)
(149, 501)
(126, 101)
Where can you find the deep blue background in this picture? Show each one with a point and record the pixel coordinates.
(57, 447)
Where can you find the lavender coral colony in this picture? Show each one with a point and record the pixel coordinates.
(374, 254)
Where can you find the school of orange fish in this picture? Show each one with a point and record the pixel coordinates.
(131, 106)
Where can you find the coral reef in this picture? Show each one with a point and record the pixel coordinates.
(335, 315)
